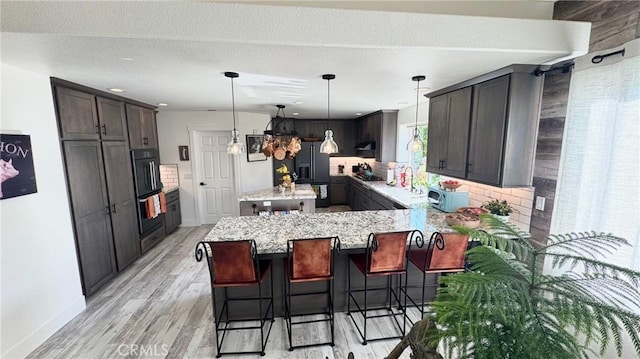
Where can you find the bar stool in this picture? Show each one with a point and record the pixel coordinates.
(234, 264)
(386, 255)
(445, 253)
(310, 260)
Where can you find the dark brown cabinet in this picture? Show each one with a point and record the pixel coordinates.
(343, 133)
(504, 114)
(449, 117)
(173, 217)
(112, 119)
(91, 212)
(338, 190)
(122, 202)
(141, 122)
(78, 114)
(94, 139)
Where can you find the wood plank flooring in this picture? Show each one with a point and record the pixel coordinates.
(160, 307)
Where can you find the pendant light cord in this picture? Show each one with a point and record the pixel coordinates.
(328, 103)
(417, 100)
(233, 105)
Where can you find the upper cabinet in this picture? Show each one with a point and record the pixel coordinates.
(449, 116)
(85, 116)
(142, 127)
(343, 133)
(485, 129)
(380, 127)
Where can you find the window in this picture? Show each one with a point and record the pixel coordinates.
(418, 160)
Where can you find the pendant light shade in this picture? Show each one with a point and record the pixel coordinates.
(416, 144)
(235, 147)
(328, 146)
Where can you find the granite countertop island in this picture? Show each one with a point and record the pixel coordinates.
(353, 228)
(302, 191)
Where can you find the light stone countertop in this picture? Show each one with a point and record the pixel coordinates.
(169, 189)
(396, 193)
(271, 233)
(302, 191)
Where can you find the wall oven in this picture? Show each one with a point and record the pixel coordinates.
(146, 177)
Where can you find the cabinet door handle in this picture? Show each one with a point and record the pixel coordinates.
(104, 129)
(444, 164)
(173, 208)
(145, 140)
(469, 167)
(113, 208)
(107, 210)
(98, 129)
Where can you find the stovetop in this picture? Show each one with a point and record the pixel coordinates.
(368, 178)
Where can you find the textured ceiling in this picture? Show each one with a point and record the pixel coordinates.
(181, 49)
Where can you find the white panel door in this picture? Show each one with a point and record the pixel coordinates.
(214, 177)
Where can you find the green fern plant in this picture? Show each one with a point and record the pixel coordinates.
(506, 307)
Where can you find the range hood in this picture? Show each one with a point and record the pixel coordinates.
(366, 146)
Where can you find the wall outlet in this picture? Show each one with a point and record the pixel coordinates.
(540, 203)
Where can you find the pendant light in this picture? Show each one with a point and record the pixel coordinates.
(328, 145)
(235, 147)
(416, 144)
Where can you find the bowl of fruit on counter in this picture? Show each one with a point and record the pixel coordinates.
(451, 185)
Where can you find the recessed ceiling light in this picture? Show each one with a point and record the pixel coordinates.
(116, 90)
(298, 102)
(162, 104)
(127, 59)
(403, 103)
(295, 114)
(358, 113)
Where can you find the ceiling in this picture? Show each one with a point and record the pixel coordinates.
(176, 52)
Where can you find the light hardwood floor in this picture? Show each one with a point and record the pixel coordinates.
(161, 307)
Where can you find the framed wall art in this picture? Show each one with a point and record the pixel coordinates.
(254, 148)
(17, 175)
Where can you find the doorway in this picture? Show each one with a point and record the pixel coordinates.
(214, 176)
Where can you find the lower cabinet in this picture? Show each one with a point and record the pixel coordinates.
(173, 217)
(103, 209)
(338, 190)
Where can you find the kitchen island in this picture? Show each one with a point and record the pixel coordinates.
(272, 200)
(352, 228)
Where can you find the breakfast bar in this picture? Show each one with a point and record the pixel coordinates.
(271, 234)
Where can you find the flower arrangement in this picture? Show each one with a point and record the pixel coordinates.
(498, 207)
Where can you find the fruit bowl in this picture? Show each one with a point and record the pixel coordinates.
(472, 210)
(463, 220)
(450, 184)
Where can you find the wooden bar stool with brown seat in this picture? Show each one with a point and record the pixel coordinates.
(310, 260)
(234, 264)
(445, 253)
(386, 255)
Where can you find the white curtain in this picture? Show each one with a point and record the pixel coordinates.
(599, 179)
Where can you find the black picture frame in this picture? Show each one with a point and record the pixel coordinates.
(254, 148)
(17, 175)
(183, 151)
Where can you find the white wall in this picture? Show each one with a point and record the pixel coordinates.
(173, 131)
(40, 280)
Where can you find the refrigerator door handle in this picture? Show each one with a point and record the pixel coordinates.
(313, 163)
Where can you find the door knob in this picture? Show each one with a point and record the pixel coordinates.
(203, 184)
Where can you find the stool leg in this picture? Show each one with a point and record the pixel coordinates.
(424, 277)
(331, 312)
(404, 307)
(262, 343)
(365, 311)
(217, 321)
(348, 286)
(288, 314)
(389, 293)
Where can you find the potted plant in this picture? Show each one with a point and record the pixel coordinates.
(500, 209)
(507, 306)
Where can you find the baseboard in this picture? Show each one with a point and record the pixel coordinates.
(189, 223)
(46, 330)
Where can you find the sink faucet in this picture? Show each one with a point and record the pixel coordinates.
(412, 188)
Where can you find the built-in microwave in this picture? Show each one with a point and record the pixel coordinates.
(447, 201)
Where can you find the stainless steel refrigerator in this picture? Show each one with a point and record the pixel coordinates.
(312, 167)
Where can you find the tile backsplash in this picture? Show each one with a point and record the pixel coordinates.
(169, 176)
(519, 198)
(347, 162)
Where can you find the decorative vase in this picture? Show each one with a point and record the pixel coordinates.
(502, 218)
